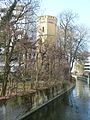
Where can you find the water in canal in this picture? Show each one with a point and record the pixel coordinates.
(72, 106)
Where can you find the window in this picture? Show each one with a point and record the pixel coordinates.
(42, 29)
(87, 65)
(86, 68)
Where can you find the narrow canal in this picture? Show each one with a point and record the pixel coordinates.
(74, 105)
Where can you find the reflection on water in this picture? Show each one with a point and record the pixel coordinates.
(72, 106)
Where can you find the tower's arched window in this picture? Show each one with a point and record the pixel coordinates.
(42, 29)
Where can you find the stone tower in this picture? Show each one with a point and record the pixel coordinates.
(46, 28)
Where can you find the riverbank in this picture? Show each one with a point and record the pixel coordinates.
(26, 103)
(32, 88)
(66, 89)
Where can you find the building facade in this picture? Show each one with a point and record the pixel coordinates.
(87, 66)
(77, 68)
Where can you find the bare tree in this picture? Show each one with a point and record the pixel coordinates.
(72, 36)
(12, 30)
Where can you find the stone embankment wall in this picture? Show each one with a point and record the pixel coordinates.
(44, 95)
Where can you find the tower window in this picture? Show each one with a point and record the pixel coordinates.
(42, 29)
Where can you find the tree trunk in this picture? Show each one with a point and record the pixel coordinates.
(5, 80)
